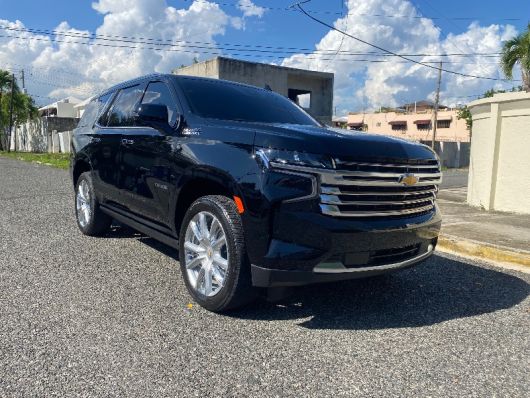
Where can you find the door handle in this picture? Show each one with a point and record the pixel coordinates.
(127, 141)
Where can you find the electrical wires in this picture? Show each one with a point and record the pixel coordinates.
(407, 58)
(180, 45)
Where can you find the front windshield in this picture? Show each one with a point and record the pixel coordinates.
(231, 101)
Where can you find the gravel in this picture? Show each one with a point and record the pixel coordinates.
(110, 316)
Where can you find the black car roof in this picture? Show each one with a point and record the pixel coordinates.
(152, 76)
(132, 82)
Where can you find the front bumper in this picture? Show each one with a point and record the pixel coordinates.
(264, 277)
(294, 242)
(308, 247)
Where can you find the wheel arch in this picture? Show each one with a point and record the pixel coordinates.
(80, 166)
(198, 185)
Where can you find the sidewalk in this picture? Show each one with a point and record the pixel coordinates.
(494, 236)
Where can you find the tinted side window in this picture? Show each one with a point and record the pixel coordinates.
(158, 93)
(122, 112)
(93, 110)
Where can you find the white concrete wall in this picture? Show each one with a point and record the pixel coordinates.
(30, 137)
(34, 137)
(499, 171)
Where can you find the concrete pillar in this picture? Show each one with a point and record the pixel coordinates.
(499, 177)
(55, 142)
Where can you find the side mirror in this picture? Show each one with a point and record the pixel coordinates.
(152, 114)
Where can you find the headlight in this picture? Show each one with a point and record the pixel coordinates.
(294, 158)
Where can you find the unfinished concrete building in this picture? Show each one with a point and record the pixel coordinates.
(311, 90)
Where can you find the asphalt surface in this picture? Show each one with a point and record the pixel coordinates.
(454, 178)
(108, 317)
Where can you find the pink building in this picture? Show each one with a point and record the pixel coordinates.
(413, 125)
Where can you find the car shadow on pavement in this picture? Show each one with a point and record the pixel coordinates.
(118, 231)
(438, 290)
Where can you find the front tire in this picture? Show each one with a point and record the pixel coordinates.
(213, 256)
(90, 219)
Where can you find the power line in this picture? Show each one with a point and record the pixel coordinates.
(49, 80)
(481, 66)
(58, 85)
(220, 53)
(341, 39)
(217, 46)
(466, 18)
(48, 69)
(391, 52)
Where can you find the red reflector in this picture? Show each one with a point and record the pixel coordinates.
(239, 204)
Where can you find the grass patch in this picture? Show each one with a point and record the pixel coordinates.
(58, 160)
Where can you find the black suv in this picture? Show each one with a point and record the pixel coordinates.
(251, 190)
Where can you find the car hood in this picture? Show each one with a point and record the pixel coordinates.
(338, 142)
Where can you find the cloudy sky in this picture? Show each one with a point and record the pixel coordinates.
(78, 48)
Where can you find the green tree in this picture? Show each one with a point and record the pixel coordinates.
(24, 108)
(465, 113)
(5, 82)
(517, 51)
(491, 92)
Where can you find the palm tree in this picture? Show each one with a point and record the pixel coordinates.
(517, 51)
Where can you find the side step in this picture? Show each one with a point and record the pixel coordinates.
(141, 227)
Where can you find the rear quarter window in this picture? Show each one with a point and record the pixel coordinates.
(93, 110)
(121, 114)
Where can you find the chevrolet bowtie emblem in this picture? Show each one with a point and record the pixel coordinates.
(408, 179)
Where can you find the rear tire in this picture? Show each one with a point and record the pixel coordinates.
(213, 256)
(90, 219)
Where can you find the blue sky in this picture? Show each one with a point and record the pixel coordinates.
(275, 26)
(355, 86)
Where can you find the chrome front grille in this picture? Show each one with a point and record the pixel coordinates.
(364, 189)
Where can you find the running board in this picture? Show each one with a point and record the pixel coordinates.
(153, 233)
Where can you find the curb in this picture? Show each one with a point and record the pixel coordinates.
(481, 250)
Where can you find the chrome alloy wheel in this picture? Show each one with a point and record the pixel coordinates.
(82, 204)
(206, 253)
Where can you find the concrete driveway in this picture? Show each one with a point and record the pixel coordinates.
(108, 317)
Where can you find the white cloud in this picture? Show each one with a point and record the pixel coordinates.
(80, 66)
(365, 85)
(250, 9)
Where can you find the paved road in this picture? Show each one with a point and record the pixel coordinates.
(107, 317)
(454, 178)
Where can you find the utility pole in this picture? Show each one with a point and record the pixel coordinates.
(436, 104)
(11, 114)
(23, 82)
